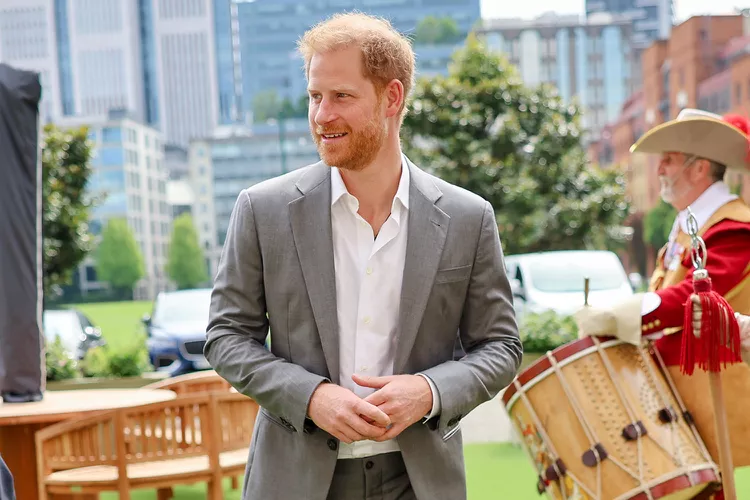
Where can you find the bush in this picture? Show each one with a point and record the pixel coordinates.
(542, 332)
(126, 361)
(60, 363)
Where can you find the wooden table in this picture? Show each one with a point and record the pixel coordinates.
(19, 422)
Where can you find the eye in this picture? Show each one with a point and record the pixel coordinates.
(341, 94)
(315, 97)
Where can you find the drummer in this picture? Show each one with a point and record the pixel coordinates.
(695, 149)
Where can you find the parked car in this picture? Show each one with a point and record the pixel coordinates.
(76, 331)
(176, 331)
(555, 280)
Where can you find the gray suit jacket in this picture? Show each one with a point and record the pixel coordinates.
(277, 270)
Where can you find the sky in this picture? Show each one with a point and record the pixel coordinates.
(528, 9)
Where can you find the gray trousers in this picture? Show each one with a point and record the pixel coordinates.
(380, 477)
(6, 482)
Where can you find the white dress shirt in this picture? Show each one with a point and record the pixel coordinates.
(369, 273)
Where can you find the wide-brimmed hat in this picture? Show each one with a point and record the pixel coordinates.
(723, 139)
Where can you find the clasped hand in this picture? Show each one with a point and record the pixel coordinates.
(398, 402)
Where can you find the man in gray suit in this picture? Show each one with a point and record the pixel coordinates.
(364, 267)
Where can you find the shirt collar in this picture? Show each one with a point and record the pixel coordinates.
(338, 188)
(705, 205)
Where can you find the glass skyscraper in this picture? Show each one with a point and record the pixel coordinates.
(173, 65)
(269, 30)
(652, 19)
(587, 60)
(227, 61)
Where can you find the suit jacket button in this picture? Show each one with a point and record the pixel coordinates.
(333, 445)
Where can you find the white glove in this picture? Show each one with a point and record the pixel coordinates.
(744, 322)
(622, 320)
(595, 322)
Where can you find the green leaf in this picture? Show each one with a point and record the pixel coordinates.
(66, 205)
(520, 148)
(119, 261)
(186, 265)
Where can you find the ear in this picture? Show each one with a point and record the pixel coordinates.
(394, 98)
(704, 167)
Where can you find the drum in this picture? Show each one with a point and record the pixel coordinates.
(600, 421)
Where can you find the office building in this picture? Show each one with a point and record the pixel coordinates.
(269, 31)
(236, 158)
(172, 64)
(652, 19)
(181, 67)
(27, 41)
(587, 59)
(128, 170)
(704, 64)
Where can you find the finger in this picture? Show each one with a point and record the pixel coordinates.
(377, 398)
(393, 432)
(372, 382)
(364, 429)
(378, 416)
(346, 434)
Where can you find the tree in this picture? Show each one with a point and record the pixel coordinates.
(658, 224)
(266, 105)
(432, 30)
(119, 261)
(519, 148)
(186, 264)
(65, 204)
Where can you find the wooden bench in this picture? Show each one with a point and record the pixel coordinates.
(192, 383)
(194, 438)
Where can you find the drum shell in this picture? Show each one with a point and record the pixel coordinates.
(589, 392)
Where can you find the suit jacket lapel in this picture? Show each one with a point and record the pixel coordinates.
(428, 227)
(311, 226)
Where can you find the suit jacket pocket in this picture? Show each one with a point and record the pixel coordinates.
(453, 274)
(276, 420)
(452, 432)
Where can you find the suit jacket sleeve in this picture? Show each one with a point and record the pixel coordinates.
(238, 327)
(728, 248)
(488, 331)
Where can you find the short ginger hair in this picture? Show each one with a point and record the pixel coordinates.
(386, 54)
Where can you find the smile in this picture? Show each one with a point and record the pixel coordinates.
(333, 136)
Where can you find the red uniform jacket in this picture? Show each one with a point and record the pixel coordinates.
(728, 247)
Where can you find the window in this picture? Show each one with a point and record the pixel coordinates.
(111, 157)
(110, 134)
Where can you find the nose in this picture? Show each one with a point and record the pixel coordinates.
(661, 169)
(324, 113)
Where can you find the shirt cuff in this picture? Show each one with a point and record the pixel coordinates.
(435, 398)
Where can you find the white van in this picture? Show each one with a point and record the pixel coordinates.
(555, 280)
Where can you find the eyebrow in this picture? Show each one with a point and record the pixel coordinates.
(344, 89)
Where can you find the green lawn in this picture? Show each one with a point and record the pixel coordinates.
(120, 321)
(493, 471)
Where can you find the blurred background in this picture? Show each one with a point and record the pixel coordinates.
(156, 113)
